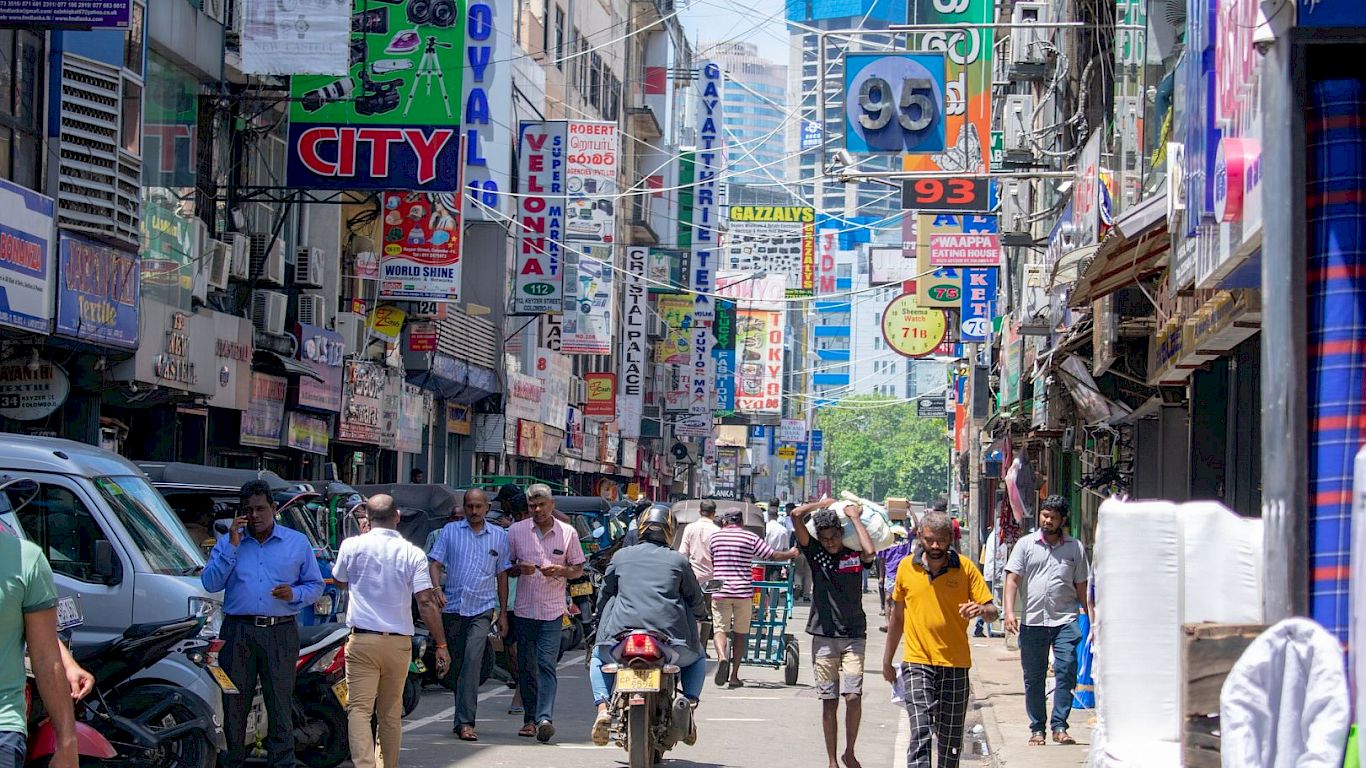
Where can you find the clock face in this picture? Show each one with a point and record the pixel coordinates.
(912, 330)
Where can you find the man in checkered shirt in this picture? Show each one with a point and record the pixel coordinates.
(935, 595)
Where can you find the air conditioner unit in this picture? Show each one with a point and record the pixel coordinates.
(351, 326)
(240, 246)
(655, 412)
(220, 265)
(1016, 208)
(577, 393)
(1028, 58)
(313, 310)
(268, 312)
(1016, 122)
(654, 327)
(267, 258)
(308, 267)
(199, 240)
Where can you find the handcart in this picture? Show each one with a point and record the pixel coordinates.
(770, 645)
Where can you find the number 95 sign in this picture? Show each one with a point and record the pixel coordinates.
(894, 102)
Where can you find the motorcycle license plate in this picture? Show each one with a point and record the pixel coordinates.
(637, 680)
(564, 621)
(221, 677)
(68, 614)
(579, 590)
(342, 693)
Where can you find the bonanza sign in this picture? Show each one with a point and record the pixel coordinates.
(539, 279)
(911, 330)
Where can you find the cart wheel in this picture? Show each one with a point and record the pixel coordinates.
(792, 660)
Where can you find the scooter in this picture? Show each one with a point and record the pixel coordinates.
(422, 669)
(649, 712)
(320, 696)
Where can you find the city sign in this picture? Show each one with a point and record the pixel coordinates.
(911, 330)
(894, 102)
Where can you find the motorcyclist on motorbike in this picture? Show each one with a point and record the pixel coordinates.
(649, 586)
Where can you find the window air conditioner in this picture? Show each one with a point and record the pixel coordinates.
(267, 259)
(351, 326)
(313, 310)
(240, 246)
(308, 267)
(220, 264)
(268, 312)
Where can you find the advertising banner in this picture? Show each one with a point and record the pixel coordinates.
(525, 397)
(309, 37)
(587, 324)
(413, 409)
(979, 303)
(792, 431)
(941, 288)
(911, 330)
(25, 258)
(600, 401)
(421, 257)
(723, 355)
(554, 371)
(538, 285)
(591, 182)
(693, 425)
(705, 236)
(391, 122)
(676, 314)
(894, 102)
(97, 293)
(362, 417)
(759, 346)
(459, 418)
(967, 90)
(634, 343)
(958, 240)
(1087, 193)
(71, 14)
(827, 243)
(264, 417)
(777, 239)
(727, 473)
(489, 44)
(891, 265)
(322, 351)
(28, 393)
(306, 432)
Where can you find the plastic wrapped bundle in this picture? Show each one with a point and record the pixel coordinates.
(874, 517)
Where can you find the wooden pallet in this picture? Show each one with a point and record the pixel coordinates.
(1208, 653)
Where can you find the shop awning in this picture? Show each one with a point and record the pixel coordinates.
(264, 358)
(1136, 250)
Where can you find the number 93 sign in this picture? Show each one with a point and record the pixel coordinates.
(894, 102)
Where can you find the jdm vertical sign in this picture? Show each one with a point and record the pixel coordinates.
(539, 279)
(705, 238)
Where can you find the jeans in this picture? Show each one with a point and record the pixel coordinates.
(692, 674)
(538, 652)
(1034, 645)
(467, 636)
(267, 655)
(376, 669)
(12, 749)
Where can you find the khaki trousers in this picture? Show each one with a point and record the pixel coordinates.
(376, 668)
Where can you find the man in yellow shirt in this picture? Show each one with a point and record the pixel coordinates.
(935, 595)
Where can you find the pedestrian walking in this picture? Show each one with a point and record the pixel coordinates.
(1054, 572)
(776, 535)
(546, 553)
(733, 552)
(993, 570)
(696, 546)
(474, 556)
(837, 625)
(383, 572)
(935, 595)
(267, 574)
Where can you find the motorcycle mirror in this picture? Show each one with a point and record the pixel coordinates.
(712, 586)
(598, 532)
(21, 491)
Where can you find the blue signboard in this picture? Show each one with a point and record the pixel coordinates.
(812, 135)
(894, 102)
(1330, 13)
(97, 293)
(69, 14)
(817, 440)
(979, 302)
(25, 258)
(799, 462)
(1202, 136)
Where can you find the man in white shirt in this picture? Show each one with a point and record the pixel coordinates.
(776, 535)
(696, 546)
(383, 572)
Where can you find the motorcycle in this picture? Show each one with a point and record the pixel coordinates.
(649, 712)
(90, 743)
(422, 669)
(320, 696)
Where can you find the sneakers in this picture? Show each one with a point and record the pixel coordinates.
(602, 727)
(545, 731)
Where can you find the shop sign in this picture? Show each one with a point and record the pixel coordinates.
(587, 319)
(827, 242)
(960, 241)
(693, 425)
(799, 461)
(1330, 13)
(306, 432)
(412, 417)
(97, 293)
(422, 337)
(723, 355)
(979, 303)
(792, 430)
(591, 182)
(538, 281)
(174, 365)
(395, 128)
(787, 452)
(931, 407)
(554, 371)
(1086, 193)
(265, 413)
(675, 313)
(31, 389)
(777, 239)
(25, 258)
(759, 336)
(710, 162)
(526, 397)
(1235, 165)
(488, 86)
(600, 400)
(1012, 363)
(68, 14)
(894, 102)
(942, 288)
(1235, 61)
(458, 418)
(310, 37)
(232, 353)
(812, 135)
(386, 322)
(421, 257)
(1226, 320)
(634, 344)
(968, 82)
(1201, 138)
(911, 330)
(530, 438)
(322, 351)
(362, 417)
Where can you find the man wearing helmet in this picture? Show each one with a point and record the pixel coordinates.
(649, 586)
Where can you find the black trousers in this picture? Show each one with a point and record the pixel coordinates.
(267, 655)
(467, 637)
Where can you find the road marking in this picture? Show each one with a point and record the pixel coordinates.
(735, 719)
(903, 736)
(749, 698)
(448, 712)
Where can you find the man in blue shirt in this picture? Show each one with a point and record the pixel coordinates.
(267, 577)
(476, 557)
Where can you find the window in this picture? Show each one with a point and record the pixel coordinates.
(576, 44)
(559, 38)
(157, 532)
(595, 80)
(21, 83)
(57, 521)
(844, 271)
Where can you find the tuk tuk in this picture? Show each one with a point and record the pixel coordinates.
(424, 507)
(336, 508)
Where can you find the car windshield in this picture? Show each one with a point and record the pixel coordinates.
(155, 529)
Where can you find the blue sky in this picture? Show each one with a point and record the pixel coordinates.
(755, 21)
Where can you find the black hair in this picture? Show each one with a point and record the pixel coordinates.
(941, 504)
(256, 487)
(826, 518)
(1057, 504)
(511, 499)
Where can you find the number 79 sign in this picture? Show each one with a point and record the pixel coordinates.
(894, 102)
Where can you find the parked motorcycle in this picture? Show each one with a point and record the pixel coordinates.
(320, 696)
(422, 669)
(649, 712)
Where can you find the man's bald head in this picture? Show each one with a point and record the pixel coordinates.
(382, 511)
(476, 505)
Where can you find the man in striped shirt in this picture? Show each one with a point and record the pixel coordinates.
(476, 557)
(733, 551)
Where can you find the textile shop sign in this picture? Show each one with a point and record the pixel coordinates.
(421, 257)
(30, 392)
(306, 432)
(488, 82)
(322, 351)
(539, 263)
(911, 330)
(600, 398)
(25, 258)
(634, 344)
(97, 293)
(777, 239)
(392, 121)
(705, 236)
(362, 416)
(265, 413)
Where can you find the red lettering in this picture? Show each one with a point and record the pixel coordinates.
(380, 139)
(308, 150)
(427, 149)
(536, 140)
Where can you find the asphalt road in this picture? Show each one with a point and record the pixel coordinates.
(763, 724)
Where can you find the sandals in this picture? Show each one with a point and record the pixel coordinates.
(602, 727)
(528, 731)
(1037, 740)
(466, 733)
(1062, 737)
(722, 672)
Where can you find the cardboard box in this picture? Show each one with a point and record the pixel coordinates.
(897, 508)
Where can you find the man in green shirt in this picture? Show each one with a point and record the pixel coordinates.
(28, 616)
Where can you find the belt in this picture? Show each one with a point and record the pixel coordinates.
(263, 621)
(360, 631)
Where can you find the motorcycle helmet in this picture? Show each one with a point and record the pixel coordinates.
(658, 519)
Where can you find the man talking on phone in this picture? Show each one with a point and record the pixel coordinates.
(267, 573)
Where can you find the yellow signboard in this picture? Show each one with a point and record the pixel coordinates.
(787, 452)
(912, 330)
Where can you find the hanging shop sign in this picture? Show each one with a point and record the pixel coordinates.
(530, 439)
(311, 37)
(777, 239)
(827, 243)
(635, 344)
(25, 258)
(321, 351)
(931, 407)
(554, 371)
(799, 461)
(894, 102)
(792, 430)
(723, 356)
(362, 415)
(675, 312)
(265, 414)
(941, 288)
(69, 14)
(421, 257)
(386, 322)
(1318, 14)
(693, 425)
(892, 265)
(539, 262)
(422, 336)
(948, 194)
(526, 398)
(1087, 193)
(391, 122)
(591, 182)
(968, 79)
(759, 346)
(31, 388)
(488, 108)
(458, 418)
(911, 330)
(960, 241)
(97, 293)
(812, 135)
(787, 452)
(176, 352)
(979, 303)
(307, 432)
(706, 236)
(413, 414)
(600, 396)
(588, 306)
(232, 353)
